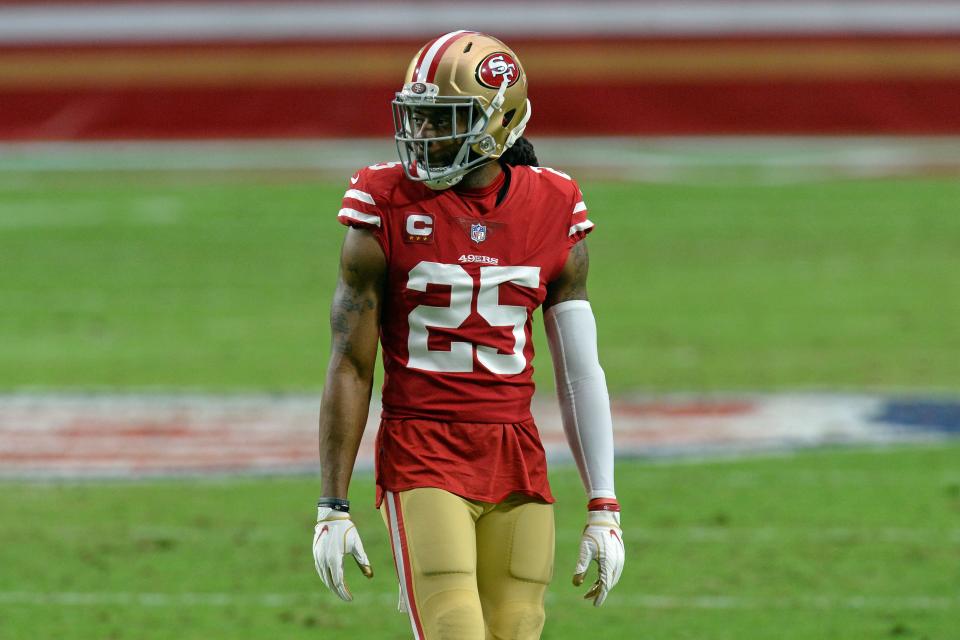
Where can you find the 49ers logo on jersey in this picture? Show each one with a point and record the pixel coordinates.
(496, 68)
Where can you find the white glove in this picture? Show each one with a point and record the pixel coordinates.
(334, 537)
(602, 541)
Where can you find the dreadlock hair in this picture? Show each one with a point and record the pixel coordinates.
(520, 154)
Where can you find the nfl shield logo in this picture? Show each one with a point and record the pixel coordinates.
(478, 232)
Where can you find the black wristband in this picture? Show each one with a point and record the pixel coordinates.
(337, 504)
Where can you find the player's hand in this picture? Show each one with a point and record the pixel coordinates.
(602, 541)
(334, 537)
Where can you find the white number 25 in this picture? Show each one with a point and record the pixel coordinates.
(459, 359)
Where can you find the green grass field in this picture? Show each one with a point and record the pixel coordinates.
(220, 282)
(223, 283)
(835, 545)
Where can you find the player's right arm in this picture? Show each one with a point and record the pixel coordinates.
(355, 329)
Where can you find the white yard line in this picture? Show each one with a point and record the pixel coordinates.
(689, 535)
(725, 535)
(617, 600)
(655, 159)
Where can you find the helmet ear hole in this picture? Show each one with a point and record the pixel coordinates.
(508, 116)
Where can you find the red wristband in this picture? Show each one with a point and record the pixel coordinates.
(603, 504)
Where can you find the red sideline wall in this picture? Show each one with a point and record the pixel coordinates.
(902, 83)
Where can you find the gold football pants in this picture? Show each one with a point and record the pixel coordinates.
(471, 570)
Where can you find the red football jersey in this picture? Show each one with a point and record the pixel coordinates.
(464, 278)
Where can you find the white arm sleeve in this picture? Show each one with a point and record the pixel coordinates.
(582, 389)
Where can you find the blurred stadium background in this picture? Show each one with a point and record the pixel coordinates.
(776, 271)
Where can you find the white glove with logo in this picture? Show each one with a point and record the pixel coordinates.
(334, 537)
(602, 541)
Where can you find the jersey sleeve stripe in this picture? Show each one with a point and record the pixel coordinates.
(580, 206)
(362, 196)
(359, 216)
(580, 226)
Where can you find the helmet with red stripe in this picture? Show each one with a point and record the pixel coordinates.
(463, 104)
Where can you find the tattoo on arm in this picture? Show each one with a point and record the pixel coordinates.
(349, 308)
(581, 265)
(353, 302)
(572, 283)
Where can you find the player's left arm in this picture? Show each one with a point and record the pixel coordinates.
(585, 409)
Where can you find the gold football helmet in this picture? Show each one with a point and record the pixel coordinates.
(464, 102)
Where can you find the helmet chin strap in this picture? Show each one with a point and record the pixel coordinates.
(494, 105)
(519, 129)
(498, 99)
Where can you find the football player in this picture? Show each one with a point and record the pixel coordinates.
(447, 255)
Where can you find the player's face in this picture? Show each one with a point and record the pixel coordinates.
(439, 122)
